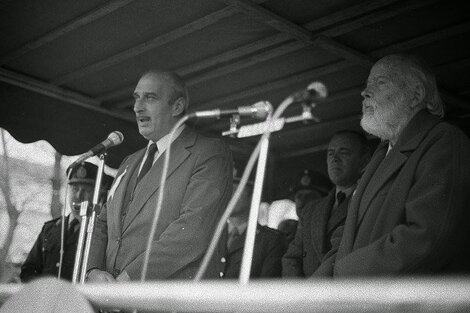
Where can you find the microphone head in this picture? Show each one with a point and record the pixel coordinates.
(262, 109)
(115, 138)
(318, 90)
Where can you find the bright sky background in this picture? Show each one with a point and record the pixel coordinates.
(41, 152)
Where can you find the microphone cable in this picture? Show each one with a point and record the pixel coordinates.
(235, 197)
(161, 190)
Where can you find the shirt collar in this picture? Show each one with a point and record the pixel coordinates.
(164, 142)
(347, 192)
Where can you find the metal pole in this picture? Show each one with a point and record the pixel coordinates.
(91, 222)
(253, 218)
(81, 240)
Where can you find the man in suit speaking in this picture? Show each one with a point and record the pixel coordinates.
(198, 187)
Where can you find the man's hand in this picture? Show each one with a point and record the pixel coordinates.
(97, 276)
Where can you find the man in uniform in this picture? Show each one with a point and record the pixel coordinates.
(44, 257)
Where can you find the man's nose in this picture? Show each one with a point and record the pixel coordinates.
(137, 105)
(365, 93)
(335, 157)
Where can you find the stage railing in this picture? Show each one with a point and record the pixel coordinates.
(385, 295)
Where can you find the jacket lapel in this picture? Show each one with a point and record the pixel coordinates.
(124, 184)
(151, 182)
(320, 212)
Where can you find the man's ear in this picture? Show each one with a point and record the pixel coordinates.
(179, 107)
(418, 94)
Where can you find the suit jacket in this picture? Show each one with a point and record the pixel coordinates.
(270, 245)
(44, 257)
(409, 214)
(312, 238)
(198, 187)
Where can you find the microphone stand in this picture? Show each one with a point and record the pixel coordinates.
(254, 210)
(84, 209)
(80, 266)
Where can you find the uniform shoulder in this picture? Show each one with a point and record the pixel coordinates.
(52, 223)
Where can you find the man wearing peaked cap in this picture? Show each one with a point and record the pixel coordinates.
(44, 257)
(310, 185)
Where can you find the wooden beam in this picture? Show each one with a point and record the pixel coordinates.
(343, 51)
(423, 40)
(277, 84)
(65, 29)
(459, 65)
(259, 45)
(348, 13)
(389, 12)
(247, 62)
(319, 127)
(209, 62)
(147, 46)
(323, 39)
(265, 87)
(267, 17)
(55, 92)
(360, 58)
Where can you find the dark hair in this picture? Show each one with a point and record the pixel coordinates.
(175, 82)
(365, 148)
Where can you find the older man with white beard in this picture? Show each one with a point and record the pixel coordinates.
(409, 214)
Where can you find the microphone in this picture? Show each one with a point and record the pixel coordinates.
(114, 139)
(315, 90)
(259, 110)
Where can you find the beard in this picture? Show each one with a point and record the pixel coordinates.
(386, 121)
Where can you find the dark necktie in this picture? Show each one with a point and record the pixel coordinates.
(340, 196)
(73, 225)
(148, 162)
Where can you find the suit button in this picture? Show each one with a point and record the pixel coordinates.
(304, 254)
(118, 239)
(57, 264)
(221, 274)
(223, 260)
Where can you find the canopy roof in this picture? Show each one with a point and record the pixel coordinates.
(68, 68)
